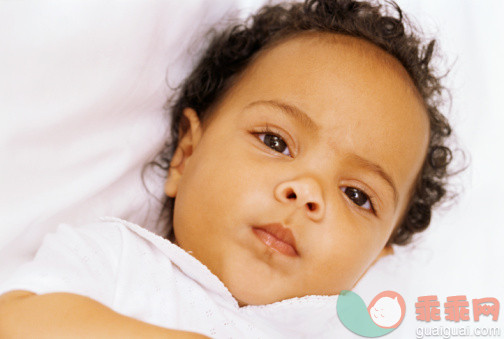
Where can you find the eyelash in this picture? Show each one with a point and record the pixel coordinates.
(268, 131)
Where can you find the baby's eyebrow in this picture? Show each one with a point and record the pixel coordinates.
(292, 111)
(378, 170)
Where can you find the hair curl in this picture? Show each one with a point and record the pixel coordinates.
(232, 50)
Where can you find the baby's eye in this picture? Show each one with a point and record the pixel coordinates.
(358, 197)
(275, 142)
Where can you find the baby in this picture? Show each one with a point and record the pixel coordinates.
(306, 142)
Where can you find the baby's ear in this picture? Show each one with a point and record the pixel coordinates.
(189, 136)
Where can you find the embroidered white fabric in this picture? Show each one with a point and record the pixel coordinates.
(142, 275)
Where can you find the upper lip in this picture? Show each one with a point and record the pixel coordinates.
(280, 232)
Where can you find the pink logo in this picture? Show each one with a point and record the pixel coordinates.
(387, 309)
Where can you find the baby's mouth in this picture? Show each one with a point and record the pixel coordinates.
(278, 238)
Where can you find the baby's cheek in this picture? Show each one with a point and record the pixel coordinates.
(328, 276)
(344, 260)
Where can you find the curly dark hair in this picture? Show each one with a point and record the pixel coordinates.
(384, 25)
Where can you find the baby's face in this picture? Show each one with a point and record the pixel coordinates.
(302, 171)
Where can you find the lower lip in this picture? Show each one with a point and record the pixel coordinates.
(273, 242)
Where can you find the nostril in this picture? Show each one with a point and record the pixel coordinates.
(311, 206)
(291, 195)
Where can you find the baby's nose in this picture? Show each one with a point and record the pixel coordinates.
(305, 193)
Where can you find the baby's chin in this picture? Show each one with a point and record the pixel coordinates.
(260, 300)
(254, 295)
(254, 289)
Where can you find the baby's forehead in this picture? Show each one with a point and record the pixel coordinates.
(343, 46)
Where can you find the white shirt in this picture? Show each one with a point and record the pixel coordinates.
(142, 275)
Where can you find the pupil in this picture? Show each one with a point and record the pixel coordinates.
(275, 142)
(356, 195)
